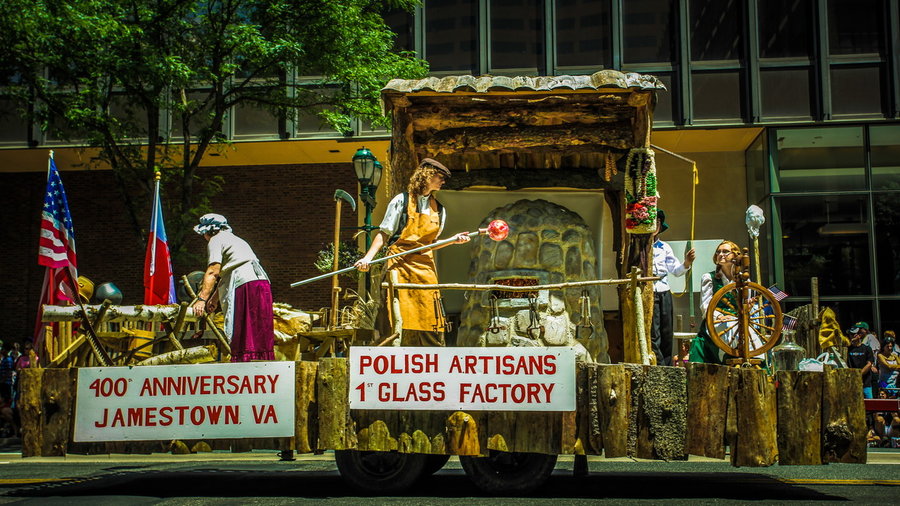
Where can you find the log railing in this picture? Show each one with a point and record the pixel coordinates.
(651, 412)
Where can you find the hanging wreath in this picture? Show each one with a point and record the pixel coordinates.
(640, 191)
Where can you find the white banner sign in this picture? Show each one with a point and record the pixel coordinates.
(500, 379)
(197, 401)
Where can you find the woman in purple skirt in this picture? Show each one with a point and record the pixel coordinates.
(243, 291)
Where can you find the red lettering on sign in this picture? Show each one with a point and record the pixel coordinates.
(264, 414)
(364, 361)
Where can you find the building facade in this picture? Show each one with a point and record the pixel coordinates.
(792, 106)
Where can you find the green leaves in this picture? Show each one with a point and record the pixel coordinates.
(105, 71)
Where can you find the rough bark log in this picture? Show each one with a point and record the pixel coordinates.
(664, 411)
(57, 403)
(377, 430)
(843, 417)
(708, 390)
(613, 399)
(635, 374)
(586, 427)
(617, 135)
(117, 313)
(305, 433)
(403, 159)
(444, 117)
(513, 179)
(196, 355)
(463, 434)
(31, 411)
(755, 443)
(799, 397)
(336, 430)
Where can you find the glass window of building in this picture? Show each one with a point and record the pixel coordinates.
(13, 128)
(856, 27)
(755, 158)
(308, 121)
(662, 114)
(198, 119)
(716, 30)
(717, 95)
(786, 93)
(885, 157)
(517, 37)
(890, 316)
(825, 237)
(252, 121)
(451, 35)
(785, 28)
(127, 110)
(856, 90)
(583, 34)
(887, 242)
(401, 23)
(820, 159)
(649, 31)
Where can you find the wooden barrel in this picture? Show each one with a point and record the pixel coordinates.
(141, 343)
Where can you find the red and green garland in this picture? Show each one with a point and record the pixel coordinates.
(640, 191)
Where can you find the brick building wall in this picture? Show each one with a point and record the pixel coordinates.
(285, 212)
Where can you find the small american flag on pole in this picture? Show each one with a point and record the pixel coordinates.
(789, 323)
(778, 293)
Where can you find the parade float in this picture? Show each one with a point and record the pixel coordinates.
(531, 379)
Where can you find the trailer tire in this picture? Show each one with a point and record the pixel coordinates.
(508, 472)
(379, 472)
(434, 463)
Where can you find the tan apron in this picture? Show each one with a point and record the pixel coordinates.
(417, 307)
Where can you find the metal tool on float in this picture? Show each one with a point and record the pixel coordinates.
(497, 230)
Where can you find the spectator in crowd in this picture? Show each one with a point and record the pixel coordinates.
(888, 368)
(879, 434)
(684, 353)
(890, 334)
(860, 356)
(7, 375)
(870, 339)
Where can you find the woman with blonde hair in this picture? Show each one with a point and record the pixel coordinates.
(727, 258)
(414, 219)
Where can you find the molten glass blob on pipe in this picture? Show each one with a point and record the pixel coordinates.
(497, 230)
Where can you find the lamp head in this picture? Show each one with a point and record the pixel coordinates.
(364, 165)
(376, 174)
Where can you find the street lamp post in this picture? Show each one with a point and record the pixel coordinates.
(368, 173)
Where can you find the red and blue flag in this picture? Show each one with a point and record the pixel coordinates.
(159, 283)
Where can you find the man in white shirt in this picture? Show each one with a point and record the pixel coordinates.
(665, 263)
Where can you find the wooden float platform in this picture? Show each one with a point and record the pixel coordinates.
(649, 412)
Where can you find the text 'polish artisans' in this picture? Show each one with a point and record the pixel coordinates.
(509, 379)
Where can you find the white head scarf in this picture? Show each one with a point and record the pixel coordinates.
(211, 223)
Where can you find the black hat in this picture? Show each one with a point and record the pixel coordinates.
(661, 216)
(444, 171)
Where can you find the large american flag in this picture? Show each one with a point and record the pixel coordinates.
(57, 243)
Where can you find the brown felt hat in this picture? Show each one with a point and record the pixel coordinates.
(437, 165)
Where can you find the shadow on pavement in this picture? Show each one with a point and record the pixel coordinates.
(448, 484)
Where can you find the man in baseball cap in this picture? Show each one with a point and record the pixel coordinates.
(869, 338)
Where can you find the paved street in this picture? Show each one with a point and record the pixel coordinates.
(260, 478)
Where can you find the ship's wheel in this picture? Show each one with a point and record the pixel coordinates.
(744, 318)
